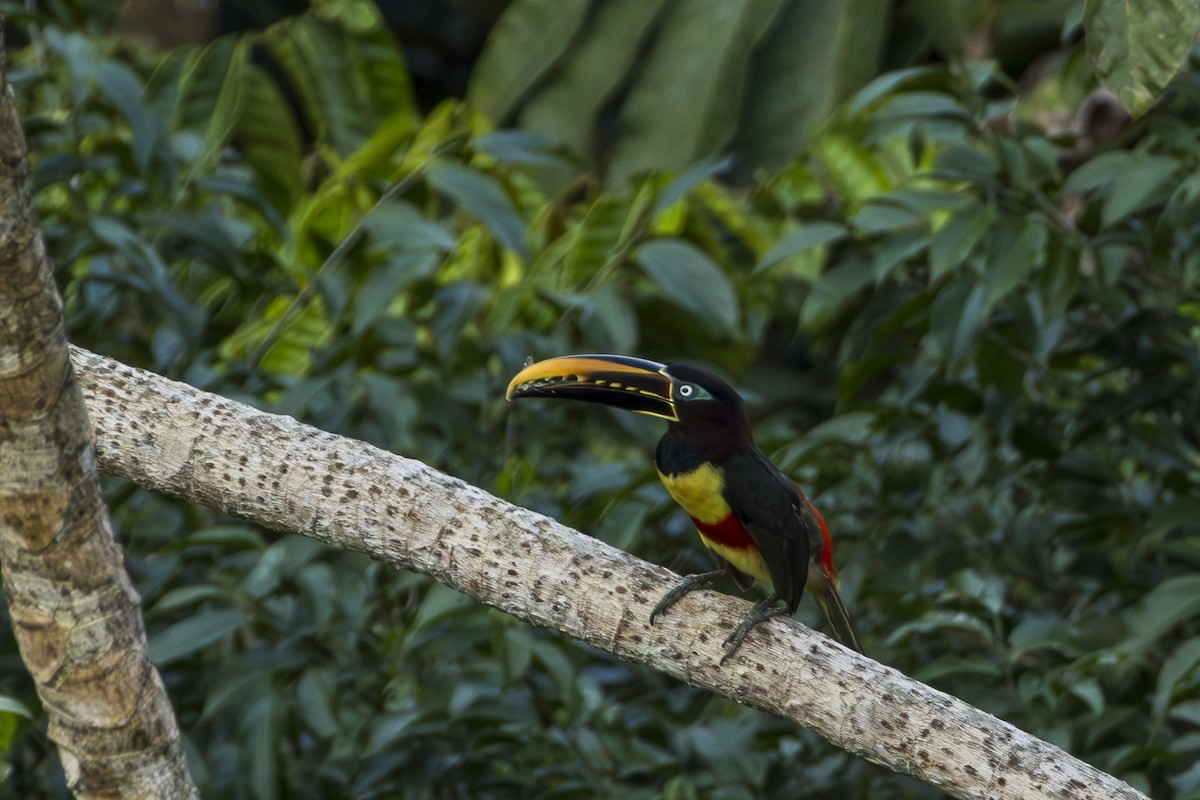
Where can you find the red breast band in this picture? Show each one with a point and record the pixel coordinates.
(729, 532)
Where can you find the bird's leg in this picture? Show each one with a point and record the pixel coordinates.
(691, 583)
(763, 610)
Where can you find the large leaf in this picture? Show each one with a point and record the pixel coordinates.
(690, 279)
(525, 44)
(687, 97)
(816, 54)
(1137, 46)
(268, 133)
(480, 196)
(347, 70)
(569, 103)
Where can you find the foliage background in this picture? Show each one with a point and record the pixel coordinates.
(962, 302)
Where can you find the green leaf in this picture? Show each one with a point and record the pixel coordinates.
(194, 634)
(686, 99)
(385, 282)
(234, 537)
(315, 694)
(282, 559)
(814, 234)
(952, 623)
(690, 279)
(920, 106)
(349, 80)
(1137, 46)
(260, 730)
(269, 135)
(1090, 692)
(1145, 180)
(440, 602)
(1026, 254)
(571, 101)
(185, 596)
(956, 240)
(211, 92)
(12, 715)
(884, 217)
(854, 427)
(613, 309)
(836, 289)
(11, 705)
(400, 226)
(1167, 604)
(480, 196)
(82, 59)
(956, 316)
(301, 334)
(522, 48)
(889, 83)
(1180, 665)
(123, 87)
(816, 54)
(961, 163)
(1098, 172)
(687, 180)
(519, 147)
(854, 169)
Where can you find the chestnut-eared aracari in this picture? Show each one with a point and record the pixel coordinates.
(756, 522)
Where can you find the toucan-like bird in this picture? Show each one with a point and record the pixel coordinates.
(757, 522)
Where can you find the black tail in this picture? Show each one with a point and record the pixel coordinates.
(835, 613)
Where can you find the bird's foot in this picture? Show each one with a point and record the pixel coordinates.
(701, 580)
(763, 610)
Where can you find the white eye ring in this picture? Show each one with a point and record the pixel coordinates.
(686, 390)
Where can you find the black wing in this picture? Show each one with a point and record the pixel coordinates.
(766, 502)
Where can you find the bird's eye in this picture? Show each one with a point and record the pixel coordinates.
(690, 391)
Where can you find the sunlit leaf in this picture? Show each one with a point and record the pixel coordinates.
(1139, 45)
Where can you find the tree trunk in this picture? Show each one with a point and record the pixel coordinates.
(74, 611)
(173, 438)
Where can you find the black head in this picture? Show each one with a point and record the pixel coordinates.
(706, 406)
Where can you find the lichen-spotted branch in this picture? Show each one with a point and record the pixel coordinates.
(173, 438)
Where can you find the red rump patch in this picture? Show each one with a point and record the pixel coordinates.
(827, 550)
(729, 532)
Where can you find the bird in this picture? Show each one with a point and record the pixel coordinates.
(754, 520)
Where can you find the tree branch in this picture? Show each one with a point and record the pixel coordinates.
(173, 438)
(74, 611)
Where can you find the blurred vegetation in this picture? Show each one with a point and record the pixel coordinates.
(965, 313)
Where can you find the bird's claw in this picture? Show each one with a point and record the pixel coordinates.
(690, 583)
(761, 612)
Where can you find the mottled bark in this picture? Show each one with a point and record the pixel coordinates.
(173, 438)
(75, 613)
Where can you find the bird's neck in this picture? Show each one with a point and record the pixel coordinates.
(679, 453)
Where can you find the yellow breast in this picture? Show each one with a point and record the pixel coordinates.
(699, 492)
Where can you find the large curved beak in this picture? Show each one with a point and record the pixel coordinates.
(634, 384)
